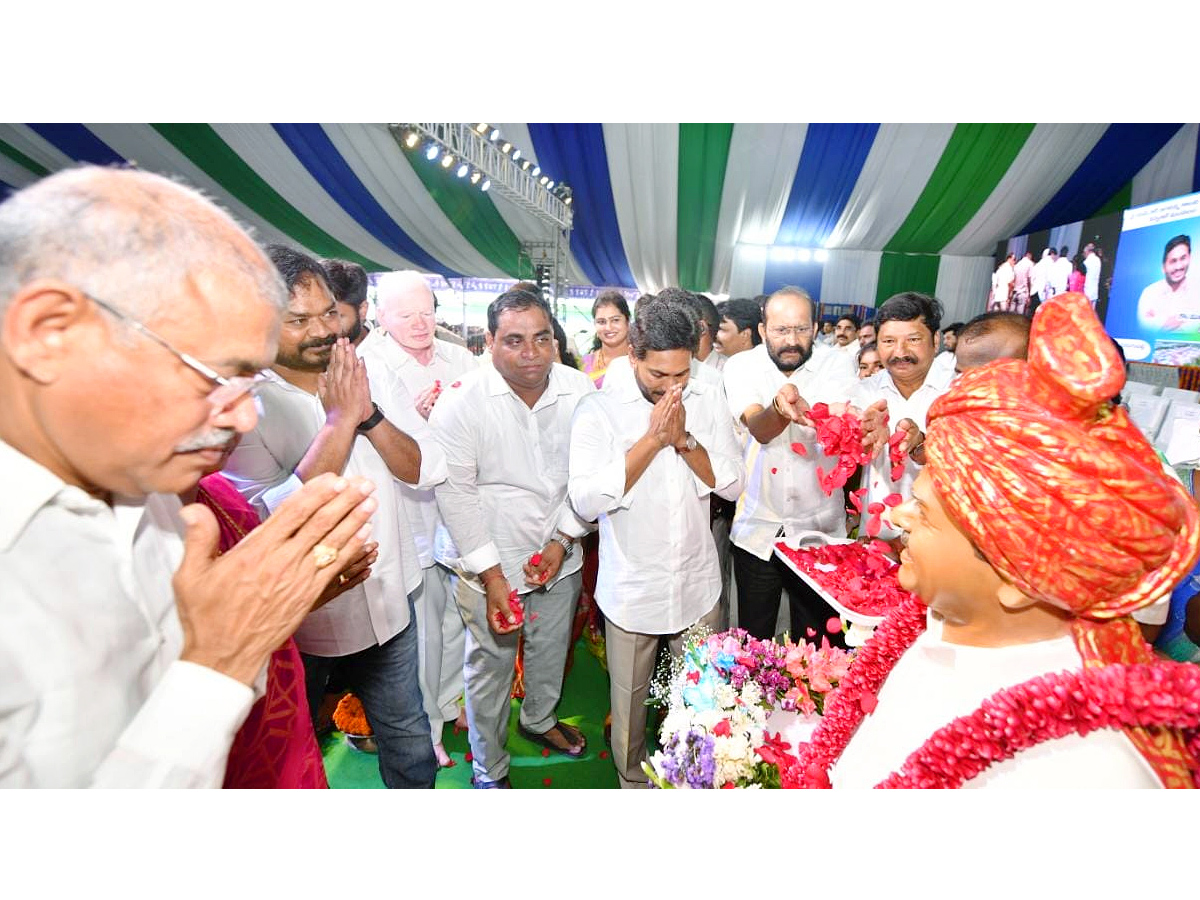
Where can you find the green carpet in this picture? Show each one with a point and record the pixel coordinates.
(584, 705)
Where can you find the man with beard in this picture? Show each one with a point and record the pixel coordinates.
(318, 416)
(898, 398)
(505, 430)
(646, 455)
(348, 281)
(128, 647)
(770, 389)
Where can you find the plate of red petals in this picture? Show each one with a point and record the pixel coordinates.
(858, 580)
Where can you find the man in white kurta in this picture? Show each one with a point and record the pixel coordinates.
(647, 453)
(317, 414)
(505, 430)
(404, 346)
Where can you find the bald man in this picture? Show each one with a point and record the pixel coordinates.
(405, 346)
(128, 647)
(992, 335)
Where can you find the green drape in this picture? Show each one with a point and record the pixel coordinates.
(906, 272)
(703, 154)
(22, 160)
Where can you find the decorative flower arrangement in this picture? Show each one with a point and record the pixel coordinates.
(857, 576)
(718, 695)
(350, 718)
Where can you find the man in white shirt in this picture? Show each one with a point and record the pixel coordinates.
(319, 416)
(404, 348)
(505, 430)
(1061, 272)
(942, 370)
(128, 649)
(769, 390)
(646, 454)
(1002, 283)
(899, 397)
(845, 335)
(738, 330)
(1172, 303)
(1022, 272)
(1040, 282)
(1091, 274)
(348, 281)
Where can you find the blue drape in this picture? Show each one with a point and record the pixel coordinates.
(320, 157)
(1115, 159)
(80, 144)
(830, 163)
(796, 274)
(575, 154)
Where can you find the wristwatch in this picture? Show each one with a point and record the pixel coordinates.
(374, 419)
(566, 543)
(690, 444)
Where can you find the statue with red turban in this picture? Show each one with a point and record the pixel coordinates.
(1041, 521)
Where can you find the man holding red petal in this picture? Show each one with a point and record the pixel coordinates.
(894, 402)
(1041, 521)
(647, 454)
(505, 429)
(770, 390)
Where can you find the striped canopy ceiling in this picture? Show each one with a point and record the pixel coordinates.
(655, 205)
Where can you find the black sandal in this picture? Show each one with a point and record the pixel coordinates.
(564, 731)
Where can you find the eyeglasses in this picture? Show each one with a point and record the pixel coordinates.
(226, 391)
(782, 331)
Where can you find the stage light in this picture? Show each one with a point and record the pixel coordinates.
(411, 140)
(447, 160)
(481, 128)
(463, 170)
(566, 201)
(755, 252)
(505, 147)
(536, 171)
(821, 255)
(782, 254)
(475, 176)
(432, 153)
(550, 186)
(495, 135)
(487, 183)
(804, 255)
(543, 180)
(525, 165)
(517, 155)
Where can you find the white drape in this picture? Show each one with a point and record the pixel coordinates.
(962, 286)
(643, 166)
(263, 150)
(16, 175)
(1050, 155)
(1170, 172)
(758, 179)
(900, 162)
(851, 276)
(36, 147)
(154, 153)
(378, 162)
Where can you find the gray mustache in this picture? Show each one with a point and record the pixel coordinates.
(218, 439)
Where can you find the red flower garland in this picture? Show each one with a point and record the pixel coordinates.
(1162, 694)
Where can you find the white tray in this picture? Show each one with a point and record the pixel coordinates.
(806, 539)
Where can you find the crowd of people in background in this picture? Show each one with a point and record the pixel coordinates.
(1021, 285)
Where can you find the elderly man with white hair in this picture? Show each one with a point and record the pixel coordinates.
(405, 347)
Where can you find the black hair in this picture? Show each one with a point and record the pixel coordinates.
(870, 345)
(995, 320)
(1175, 242)
(515, 300)
(909, 305)
(565, 356)
(852, 319)
(743, 314)
(611, 298)
(788, 290)
(296, 267)
(953, 328)
(664, 323)
(348, 281)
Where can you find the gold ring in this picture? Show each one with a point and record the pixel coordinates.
(341, 579)
(324, 556)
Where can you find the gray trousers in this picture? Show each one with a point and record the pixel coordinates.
(490, 667)
(441, 644)
(631, 659)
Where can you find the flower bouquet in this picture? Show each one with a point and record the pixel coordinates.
(723, 696)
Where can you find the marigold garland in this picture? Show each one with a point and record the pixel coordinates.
(350, 717)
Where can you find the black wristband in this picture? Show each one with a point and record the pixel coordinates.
(374, 419)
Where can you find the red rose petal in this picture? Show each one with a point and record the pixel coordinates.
(604, 754)
(721, 729)
(546, 782)
(799, 449)
(467, 756)
(868, 702)
(892, 499)
(810, 632)
(834, 625)
(545, 751)
(536, 559)
(876, 508)
(773, 470)
(456, 384)
(873, 525)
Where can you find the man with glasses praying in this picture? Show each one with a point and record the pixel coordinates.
(770, 389)
(128, 648)
(319, 416)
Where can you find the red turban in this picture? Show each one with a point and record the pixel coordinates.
(1065, 497)
(1054, 484)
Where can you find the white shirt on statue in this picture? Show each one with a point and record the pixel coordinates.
(92, 691)
(936, 682)
(781, 486)
(658, 570)
(505, 493)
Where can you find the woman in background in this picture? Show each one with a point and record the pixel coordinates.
(610, 313)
